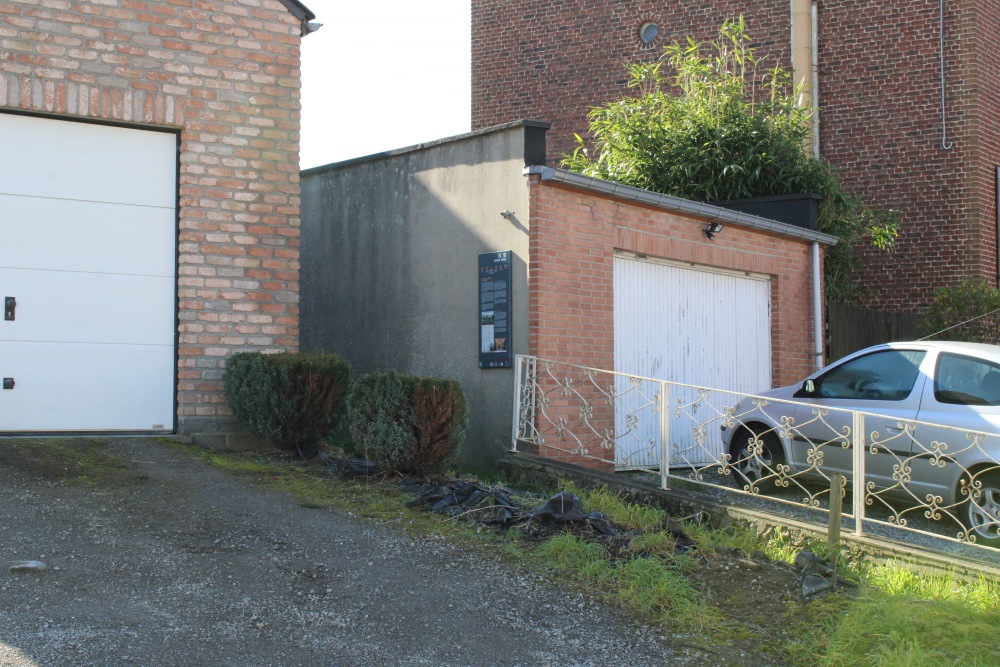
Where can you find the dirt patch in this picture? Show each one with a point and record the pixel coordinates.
(80, 461)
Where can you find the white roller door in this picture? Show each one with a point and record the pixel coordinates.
(88, 251)
(692, 325)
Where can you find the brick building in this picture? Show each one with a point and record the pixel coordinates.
(150, 179)
(878, 71)
(392, 246)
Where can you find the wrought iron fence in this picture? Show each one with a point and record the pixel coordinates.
(916, 475)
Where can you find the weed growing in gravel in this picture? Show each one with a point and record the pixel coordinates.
(80, 461)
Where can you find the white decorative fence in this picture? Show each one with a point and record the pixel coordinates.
(916, 475)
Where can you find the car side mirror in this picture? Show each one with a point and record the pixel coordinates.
(809, 386)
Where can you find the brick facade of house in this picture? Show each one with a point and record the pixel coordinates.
(879, 85)
(226, 76)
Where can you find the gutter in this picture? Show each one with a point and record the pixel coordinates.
(304, 15)
(677, 204)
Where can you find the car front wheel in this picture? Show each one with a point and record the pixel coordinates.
(755, 458)
(982, 511)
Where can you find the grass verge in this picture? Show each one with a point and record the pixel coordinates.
(896, 617)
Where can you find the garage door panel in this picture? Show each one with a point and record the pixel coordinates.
(84, 236)
(693, 326)
(71, 307)
(61, 387)
(87, 162)
(88, 248)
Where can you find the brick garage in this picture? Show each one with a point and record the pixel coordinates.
(578, 224)
(224, 77)
(879, 88)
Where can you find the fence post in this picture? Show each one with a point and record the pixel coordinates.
(836, 511)
(515, 427)
(664, 433)
(858, 483)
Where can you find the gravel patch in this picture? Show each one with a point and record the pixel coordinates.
(183, 565)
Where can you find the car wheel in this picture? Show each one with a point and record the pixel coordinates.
(755, 458)
(981, 512)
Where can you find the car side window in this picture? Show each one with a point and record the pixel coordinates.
(965, 380)
(888, 375)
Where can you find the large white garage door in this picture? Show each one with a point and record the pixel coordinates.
(690, 325)
(88, 254)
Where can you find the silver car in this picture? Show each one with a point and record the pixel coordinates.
(931, 423)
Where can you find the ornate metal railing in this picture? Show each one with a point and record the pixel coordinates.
(916, 475)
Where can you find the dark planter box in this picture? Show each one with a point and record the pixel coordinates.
(799, 210)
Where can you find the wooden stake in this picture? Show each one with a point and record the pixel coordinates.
(836, 511)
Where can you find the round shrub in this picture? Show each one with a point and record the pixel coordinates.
(407, 424)
(290, 400)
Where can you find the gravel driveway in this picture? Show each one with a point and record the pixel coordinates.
(181, 564)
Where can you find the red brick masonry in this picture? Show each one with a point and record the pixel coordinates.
(573, 237)
(226, 76)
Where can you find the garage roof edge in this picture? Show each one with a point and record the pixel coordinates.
(678, 205)
(298, 10)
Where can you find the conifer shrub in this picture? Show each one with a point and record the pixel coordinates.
(292, 401)
(407, 424)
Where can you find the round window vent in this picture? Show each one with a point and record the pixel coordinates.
(648, 32)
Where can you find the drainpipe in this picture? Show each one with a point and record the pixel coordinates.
(803, 53)
(817, 306)
(815, 78)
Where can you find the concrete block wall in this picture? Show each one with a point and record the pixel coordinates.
(226, 76)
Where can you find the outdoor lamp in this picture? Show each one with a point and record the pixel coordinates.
(713, 229)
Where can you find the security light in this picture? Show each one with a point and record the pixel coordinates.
(713, 229)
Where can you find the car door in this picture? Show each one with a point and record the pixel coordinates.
(959, 423)
(886, 386)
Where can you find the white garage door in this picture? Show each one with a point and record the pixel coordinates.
(690, 325)
(88, 253)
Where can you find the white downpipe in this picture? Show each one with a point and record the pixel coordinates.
(817, 306)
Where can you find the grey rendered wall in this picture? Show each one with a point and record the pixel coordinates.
(389, 280)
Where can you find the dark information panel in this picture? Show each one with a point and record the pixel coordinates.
(495, 349)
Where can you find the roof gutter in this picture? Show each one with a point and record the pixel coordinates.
(677, 204)
(304, 15)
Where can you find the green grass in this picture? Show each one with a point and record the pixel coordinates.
(76, 461)
(897, 617)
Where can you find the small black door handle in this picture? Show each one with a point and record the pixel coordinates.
(9, 305)
(8, 383)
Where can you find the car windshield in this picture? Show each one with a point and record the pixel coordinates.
(887, 375)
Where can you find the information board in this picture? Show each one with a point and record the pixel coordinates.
(495, 349)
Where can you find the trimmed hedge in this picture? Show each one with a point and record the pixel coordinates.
(407, 424)
(290, 400)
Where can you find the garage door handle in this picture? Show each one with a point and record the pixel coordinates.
(9, 306)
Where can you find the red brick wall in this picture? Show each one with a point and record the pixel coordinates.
(880, 100)
(552, 60)
(226, 74)
(881, 126)
(573, 236)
